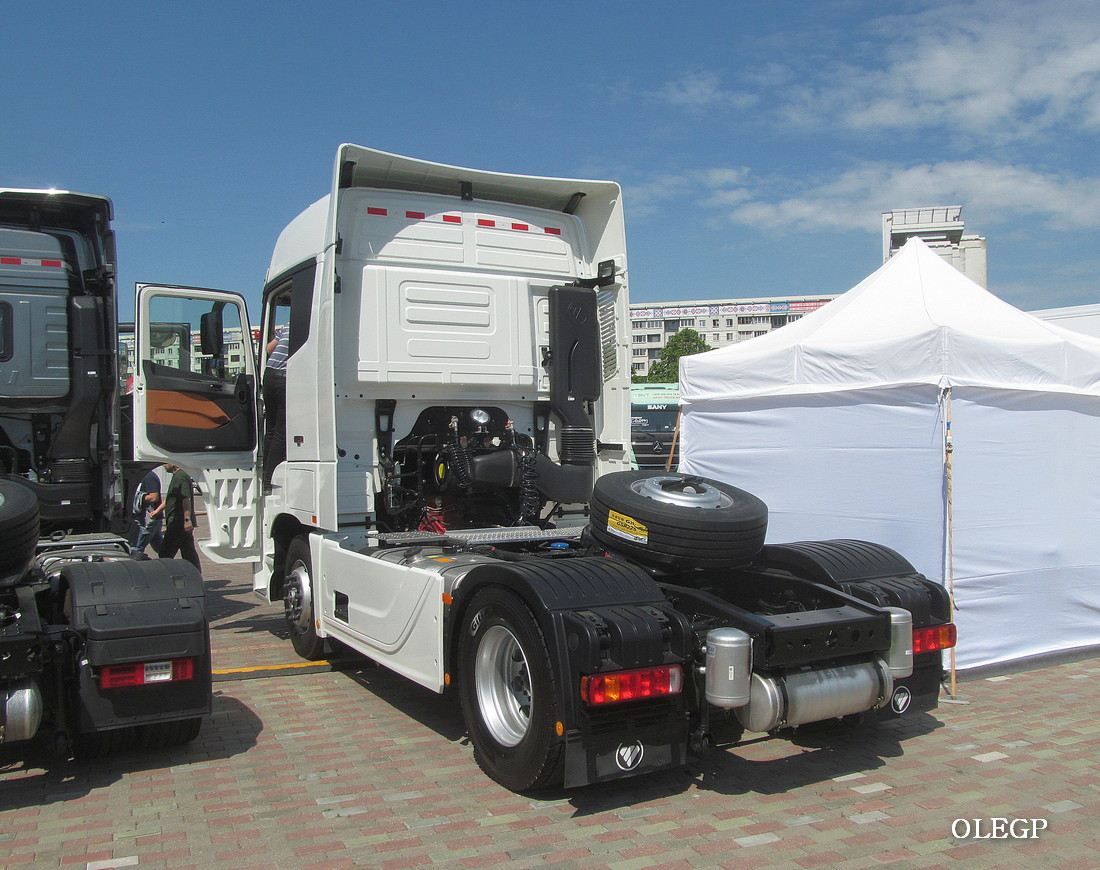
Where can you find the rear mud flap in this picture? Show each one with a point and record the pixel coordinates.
(630, 748)
(919, 693)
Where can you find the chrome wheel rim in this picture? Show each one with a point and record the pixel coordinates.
(502, 681)
(297, 600)
(677, 489)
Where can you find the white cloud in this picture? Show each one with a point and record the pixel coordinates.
(1005, 69)
(643, 198)
(701, 90)
(1001, 71)
(992, 194)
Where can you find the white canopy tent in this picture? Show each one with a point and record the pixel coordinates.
(841, 420)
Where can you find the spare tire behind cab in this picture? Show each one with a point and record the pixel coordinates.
(670, 519)
(18, 527)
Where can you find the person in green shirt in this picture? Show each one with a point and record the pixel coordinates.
(179, 517)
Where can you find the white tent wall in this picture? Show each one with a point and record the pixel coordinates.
(869, 464)
(1026, 510)
(836, 422)
(865, 464)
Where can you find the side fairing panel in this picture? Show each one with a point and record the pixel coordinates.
(392, 612)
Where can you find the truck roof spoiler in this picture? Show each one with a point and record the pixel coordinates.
(357, 166)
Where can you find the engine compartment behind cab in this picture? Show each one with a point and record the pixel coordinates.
(477, 466)
(461, 468)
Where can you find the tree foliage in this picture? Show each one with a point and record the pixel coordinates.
(686, 342)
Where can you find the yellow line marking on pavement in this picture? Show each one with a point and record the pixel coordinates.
(272, 667)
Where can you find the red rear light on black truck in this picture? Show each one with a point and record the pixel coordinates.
(934, 638)
(633, 685)
(146, 673)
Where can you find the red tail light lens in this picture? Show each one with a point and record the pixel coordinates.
(935, 637)
(613, 688)
(146, 673)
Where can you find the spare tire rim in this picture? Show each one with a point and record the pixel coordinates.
(683, 490)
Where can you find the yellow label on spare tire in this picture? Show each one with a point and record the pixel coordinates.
(626, 527)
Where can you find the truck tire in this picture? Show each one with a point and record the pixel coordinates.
(99, 744)
(18, 527)
(154, 735)
(509, 695)
(159, 735)
(298, 589)
(670, 519)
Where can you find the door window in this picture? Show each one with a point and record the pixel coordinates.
(198, 375)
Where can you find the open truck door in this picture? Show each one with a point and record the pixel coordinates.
(195, 406)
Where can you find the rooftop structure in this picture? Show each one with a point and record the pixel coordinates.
(941, 228)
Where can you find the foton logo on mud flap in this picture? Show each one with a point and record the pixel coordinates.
(901, 700)
(629, 755)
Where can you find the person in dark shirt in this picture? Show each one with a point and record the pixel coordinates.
(146, 500)
(179, 518)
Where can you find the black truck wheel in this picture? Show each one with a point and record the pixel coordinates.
(509, 694)
(298, 601)
(99, 744)
(153, 735)
(18, 526)
(159, 735)
(670, 519)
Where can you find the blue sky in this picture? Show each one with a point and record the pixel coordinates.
(757, 143)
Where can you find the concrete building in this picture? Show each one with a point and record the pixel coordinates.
(719, 321)
(941, 227)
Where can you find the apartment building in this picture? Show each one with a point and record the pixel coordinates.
(720, 322)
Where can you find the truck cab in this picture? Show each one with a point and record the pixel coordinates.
(420, 301)
(59, 390)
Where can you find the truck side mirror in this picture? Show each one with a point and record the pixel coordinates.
(210, 331)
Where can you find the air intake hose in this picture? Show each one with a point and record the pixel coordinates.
(576, 378)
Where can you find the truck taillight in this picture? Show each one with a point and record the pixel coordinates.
(935, 637)
(145, 673)
(612, 688)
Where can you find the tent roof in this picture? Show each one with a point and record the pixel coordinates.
(916, 320)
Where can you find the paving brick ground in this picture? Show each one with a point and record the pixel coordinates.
(358, 768)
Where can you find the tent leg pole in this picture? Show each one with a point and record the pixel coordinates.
(675, 438)
(949, 449)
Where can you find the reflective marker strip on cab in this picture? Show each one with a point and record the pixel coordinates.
(379, 211)
(23, 261)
